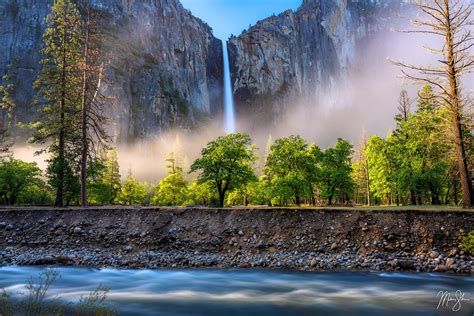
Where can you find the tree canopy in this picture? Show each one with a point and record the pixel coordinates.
(227, 163)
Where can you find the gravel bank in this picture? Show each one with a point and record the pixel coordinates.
(305, 239)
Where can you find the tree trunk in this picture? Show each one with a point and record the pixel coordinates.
(466, 185)
(455, 184)
(221, 198)
(84, 140)
(456, 113)
(330, 200)
(418, 199)
(412, 197)
(62, 133)
(367, 184)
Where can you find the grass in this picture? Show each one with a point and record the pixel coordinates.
(35, 302)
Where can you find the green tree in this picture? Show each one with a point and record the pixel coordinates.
(381, 168)
(421, 150)
(15, 177)
(253, 193)
(227, 163)
(132, 192)
(292, 169)
(361, 172)
(7, 108)
(58, 86)
(69, 180)
(201, 194)
(172, 190)
(98, 190)
(336, 168)
(111, 176)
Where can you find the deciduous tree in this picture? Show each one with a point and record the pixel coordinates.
(227, 163)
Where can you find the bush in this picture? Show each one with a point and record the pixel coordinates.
(467, 243)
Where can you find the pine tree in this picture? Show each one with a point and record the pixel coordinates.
(172, 190)
(111, 175)
(58, 86)
(361, 170)
(132, 192)
(93, 121)
(449, 20)
(7, 108)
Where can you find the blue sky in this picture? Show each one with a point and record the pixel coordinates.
(232, 16)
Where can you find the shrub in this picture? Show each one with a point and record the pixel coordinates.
(467, 243)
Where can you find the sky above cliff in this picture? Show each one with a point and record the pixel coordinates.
(228, 17)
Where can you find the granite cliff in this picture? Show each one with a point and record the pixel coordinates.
(165, 69)
(304, 53)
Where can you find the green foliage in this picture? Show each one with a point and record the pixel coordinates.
(18, 177)
(69, 181)
(172, 190)
(381, 167)
(254, 193)
(292, 169)
(104, 181)
(360, 175)
(227, 163)
(97, 190)
(132, 192)
(7, 107)
(467, 243)
(411, 164)
(36, 193)
(336, 172)
(203, 194)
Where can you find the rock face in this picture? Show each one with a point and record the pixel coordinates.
(165, 69)
(300, 54)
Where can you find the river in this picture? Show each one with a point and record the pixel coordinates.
(256, 292)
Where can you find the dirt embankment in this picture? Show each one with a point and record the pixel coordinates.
(191, 237)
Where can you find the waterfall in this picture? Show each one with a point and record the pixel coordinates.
(229, 111)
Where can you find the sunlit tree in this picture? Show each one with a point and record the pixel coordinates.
(58, 86)
(132, 192)
(451, 21)
(227, 163)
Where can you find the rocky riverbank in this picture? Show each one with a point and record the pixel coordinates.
(306, 239)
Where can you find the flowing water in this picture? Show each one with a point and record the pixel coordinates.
(229, 110)
(256, 292)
